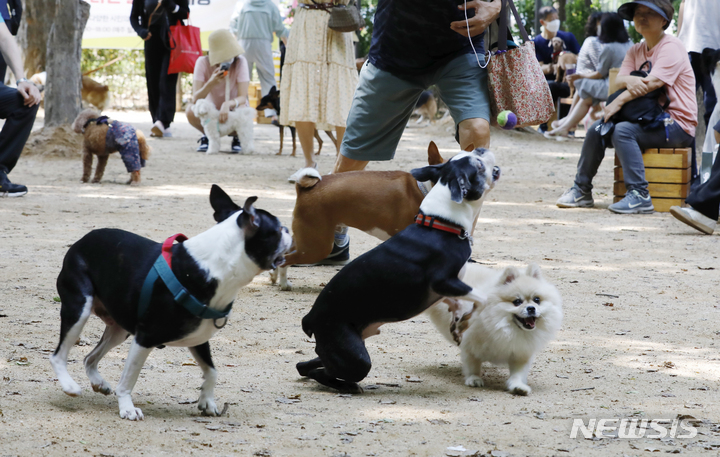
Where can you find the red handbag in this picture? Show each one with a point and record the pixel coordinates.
(185, 48)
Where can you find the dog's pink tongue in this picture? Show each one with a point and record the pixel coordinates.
(530, 322)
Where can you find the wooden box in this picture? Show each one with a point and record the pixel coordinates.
(667, 172)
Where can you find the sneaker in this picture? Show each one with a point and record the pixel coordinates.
(203, 144)
(633, 203)
(295, 176)
(574, 197)
(158, 129)
(236, 148)
(167, 133)
(338, 256)
(694, 219)
(8, 189)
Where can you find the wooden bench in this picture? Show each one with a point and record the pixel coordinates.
(667, 172)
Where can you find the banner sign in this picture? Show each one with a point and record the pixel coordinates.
(109, 24)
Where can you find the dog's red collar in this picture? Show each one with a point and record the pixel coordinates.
(167, 246)
(432, 222)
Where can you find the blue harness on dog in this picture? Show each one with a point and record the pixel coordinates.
(161, 269)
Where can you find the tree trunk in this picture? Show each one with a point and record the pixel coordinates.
(64, 78)
(32, 37)
(561, 10)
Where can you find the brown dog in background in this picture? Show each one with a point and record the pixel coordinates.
(93, 92)
(426, 107)
(380, 203)
(564, 59)
(96, 142)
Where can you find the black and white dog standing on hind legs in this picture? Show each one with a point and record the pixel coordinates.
(402, 277)
(104, 273)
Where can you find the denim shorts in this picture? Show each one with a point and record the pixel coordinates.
(383, 104)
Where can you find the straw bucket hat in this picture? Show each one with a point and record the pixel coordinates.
(223, 47)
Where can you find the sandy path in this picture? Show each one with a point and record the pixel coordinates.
(651, 354)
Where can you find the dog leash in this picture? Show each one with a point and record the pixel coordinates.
(432, 222)
(161, 269)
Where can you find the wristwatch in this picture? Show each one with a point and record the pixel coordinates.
(22, 80)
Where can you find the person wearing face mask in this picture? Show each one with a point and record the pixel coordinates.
(550, 22)
(223, 78)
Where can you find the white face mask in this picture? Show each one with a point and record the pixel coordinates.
(553, 26)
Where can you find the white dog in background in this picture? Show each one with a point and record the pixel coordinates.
(522, 314)
(239, 121)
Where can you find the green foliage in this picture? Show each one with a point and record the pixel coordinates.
(125, 77)
(367, 9)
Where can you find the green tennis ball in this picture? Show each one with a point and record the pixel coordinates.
(507, 120)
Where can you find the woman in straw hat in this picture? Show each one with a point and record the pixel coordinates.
(318, 78)
(223, 68)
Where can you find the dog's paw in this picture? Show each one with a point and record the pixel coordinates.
(518, 388)
(102, 388)
(208, 407)
(131, 414)
(474, 381)
(273, 276)
(286, 285)
(72, 388)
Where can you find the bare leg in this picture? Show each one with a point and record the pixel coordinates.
(574, 117)
(474, 133)
(319, 140)
(306, 132)
(193, 120)
(340, 131)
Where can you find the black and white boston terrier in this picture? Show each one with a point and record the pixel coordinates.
(104, 274)
(402, 277)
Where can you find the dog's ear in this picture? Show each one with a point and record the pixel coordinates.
(429, 173)
(221, 203)
(273, 90)
(534, 271)
(458, 186)
(434, 157)
(250, 221)
(509, 275)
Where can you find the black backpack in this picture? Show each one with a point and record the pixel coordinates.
(646, 110)
(15, 8)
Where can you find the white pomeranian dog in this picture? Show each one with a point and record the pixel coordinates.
(522, 314)
(239, 121)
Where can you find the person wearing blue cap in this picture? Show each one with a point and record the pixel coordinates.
(670, 71)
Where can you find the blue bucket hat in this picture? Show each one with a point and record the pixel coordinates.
(627, 11)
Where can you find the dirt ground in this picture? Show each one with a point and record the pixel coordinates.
(639, 336)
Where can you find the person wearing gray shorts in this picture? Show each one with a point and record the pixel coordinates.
(414, 46)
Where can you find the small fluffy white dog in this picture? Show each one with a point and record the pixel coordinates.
(521, 316)
(239, 121)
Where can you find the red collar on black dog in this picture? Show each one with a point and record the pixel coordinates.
(167, 247)
(432, 222)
